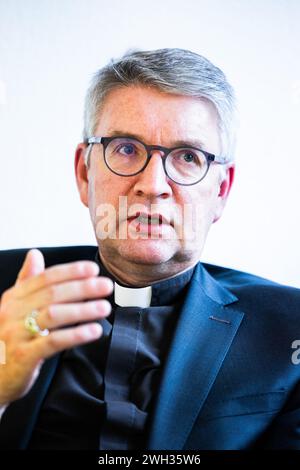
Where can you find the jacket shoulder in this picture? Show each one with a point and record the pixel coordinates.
(255, 290)
(229, 276)
(11, 260)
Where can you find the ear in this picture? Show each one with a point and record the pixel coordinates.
(81, 172)
(224, 190)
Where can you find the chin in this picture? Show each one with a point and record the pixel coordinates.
(147, 251)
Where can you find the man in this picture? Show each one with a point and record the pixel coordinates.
(173, 354)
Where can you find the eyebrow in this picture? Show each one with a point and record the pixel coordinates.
(177, 143)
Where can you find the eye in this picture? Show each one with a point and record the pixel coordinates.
(126, 149)
(188, 157)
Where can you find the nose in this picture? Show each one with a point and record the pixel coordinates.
(153, 182)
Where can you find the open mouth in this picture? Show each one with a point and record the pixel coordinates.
(149, 219)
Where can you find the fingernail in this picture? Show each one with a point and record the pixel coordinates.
(93, 331)
(94, 268)
(109, 283)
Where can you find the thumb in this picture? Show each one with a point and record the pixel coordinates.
(33, 264)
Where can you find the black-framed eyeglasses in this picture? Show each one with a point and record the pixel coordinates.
(126, 156)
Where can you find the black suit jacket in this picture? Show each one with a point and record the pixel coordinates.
(229, 381)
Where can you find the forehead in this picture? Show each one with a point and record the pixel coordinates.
(157, 116)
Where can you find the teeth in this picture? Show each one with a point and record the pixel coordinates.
(146, 220)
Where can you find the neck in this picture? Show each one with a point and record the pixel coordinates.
(140, 275)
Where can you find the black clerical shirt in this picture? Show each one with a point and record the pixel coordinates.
(103, 393)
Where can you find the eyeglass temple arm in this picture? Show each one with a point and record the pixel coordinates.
(95, 140)
(90, 142)
(221, 160)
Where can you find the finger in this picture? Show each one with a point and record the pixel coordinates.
(69, 292)
(56, 316)
(57, 274)
(66, 338)
(33, 264)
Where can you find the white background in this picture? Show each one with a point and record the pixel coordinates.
(49, 50)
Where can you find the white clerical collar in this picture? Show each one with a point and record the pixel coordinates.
(131, 297)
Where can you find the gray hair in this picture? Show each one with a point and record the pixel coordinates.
(175, 71)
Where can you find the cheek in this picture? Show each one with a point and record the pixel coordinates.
(97, 192)
(106, 188)
(208, 198)
(200, 208)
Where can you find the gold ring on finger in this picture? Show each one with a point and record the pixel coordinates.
(32, 326)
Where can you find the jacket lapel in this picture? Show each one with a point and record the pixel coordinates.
(204, 333)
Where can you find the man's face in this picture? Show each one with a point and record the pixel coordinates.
(159, 119)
